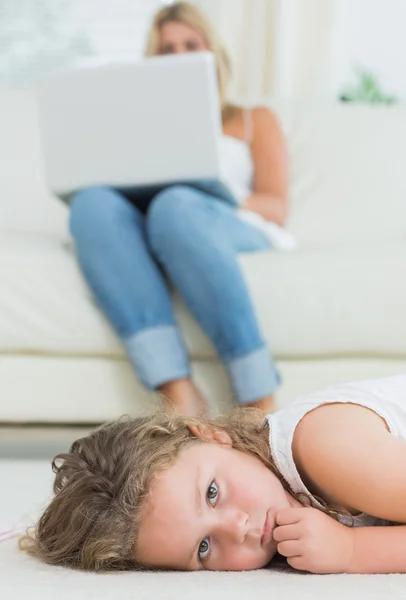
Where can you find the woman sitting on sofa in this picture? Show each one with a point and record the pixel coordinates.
(127, 249)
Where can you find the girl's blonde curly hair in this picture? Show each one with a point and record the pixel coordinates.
(100, 486)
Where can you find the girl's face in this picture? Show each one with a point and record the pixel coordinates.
(213, 509)
(178, 38)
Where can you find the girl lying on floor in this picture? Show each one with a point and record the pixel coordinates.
(318, 482)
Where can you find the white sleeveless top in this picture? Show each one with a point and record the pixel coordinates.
(237, 172)
(236, 164)
(386, 397)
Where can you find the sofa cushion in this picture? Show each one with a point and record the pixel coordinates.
(25, 204)
(55, 389)
(339, 302)
(44, 303)
(309, 303)
(347, 173)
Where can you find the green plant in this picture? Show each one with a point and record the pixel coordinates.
(366, 89)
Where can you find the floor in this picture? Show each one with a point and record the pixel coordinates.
(26, 484)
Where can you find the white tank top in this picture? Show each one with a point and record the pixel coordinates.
(237, 172)
(386, 397)
(236, 164)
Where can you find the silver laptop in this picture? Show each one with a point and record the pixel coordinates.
(139, 125)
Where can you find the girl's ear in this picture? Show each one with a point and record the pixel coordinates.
(205, 433)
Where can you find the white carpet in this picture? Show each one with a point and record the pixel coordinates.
(26, 485)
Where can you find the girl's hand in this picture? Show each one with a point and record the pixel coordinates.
(312, 541)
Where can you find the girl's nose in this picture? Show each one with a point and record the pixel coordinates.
(234, 523)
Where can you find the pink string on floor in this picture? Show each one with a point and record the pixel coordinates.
(7, 534)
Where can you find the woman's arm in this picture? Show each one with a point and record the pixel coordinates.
(269, 197)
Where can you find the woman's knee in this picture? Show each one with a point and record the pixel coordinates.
(94, 208)
(173, 214)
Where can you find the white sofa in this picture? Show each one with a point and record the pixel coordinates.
(332, 311)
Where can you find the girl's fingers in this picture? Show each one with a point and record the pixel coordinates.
(286, 532)
(289, 549)
(288, 516)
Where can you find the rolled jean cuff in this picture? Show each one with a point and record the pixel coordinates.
(253, 376)
(158, 355)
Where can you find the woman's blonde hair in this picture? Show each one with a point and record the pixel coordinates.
(101, 485)
(191, 15)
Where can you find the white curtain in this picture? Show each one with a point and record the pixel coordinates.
(247, 27)
(278, 47)
(305, 47)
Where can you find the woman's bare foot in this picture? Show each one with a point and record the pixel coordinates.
(183, 397)
(266, 404)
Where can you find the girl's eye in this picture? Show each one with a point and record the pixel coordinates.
(204, 549)
(212, 497)
(212, 493)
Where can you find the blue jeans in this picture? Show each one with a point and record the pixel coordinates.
(128, 252)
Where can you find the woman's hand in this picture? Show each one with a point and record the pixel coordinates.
(270, 184)
(312, 541)
(269, 207)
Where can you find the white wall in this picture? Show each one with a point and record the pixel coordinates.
(369, 33)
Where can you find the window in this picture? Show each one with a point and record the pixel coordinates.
(369, 36)
(37, 36)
